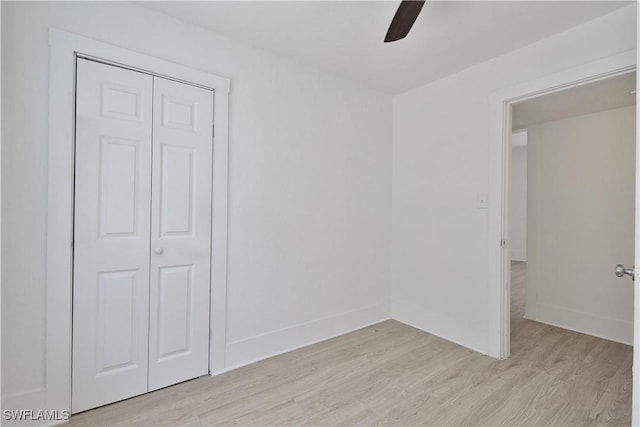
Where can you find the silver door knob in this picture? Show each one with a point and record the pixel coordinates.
(158, 250)
(621, 271)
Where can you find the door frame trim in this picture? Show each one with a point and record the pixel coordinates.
(64, 48)
(499, 290)
(499, 285)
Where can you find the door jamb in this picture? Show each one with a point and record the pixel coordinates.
(64, 47)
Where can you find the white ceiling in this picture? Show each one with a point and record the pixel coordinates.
(346, 37)
(602, 95)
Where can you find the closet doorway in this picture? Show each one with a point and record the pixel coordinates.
(142, 233)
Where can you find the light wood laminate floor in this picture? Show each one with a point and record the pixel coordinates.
(393, 374)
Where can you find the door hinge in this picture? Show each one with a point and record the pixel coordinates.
(503, 243)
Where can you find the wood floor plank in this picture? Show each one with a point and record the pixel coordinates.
(393, 374)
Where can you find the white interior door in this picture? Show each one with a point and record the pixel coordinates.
(181, 230)
(111, 235)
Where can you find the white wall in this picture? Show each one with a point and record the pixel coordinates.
(581, 222)
(440, 167)
(518, 194)
(309, 186)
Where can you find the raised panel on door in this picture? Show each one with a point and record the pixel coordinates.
(180, 233)
(111, 234)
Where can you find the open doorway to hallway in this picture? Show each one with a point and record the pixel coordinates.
(572, 211)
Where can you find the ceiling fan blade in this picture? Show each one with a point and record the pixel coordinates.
(403, 20)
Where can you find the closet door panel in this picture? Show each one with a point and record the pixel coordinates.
(180, 233)
(111, 234)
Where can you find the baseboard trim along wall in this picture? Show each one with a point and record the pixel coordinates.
(586, 323)
(24, 400)
(518, 256)
(259, 347)
(413, 315)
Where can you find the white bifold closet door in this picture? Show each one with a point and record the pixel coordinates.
(141, 235)
(180, 233)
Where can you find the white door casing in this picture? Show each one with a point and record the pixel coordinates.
(499, 150)
(181, 230)
(111, 246)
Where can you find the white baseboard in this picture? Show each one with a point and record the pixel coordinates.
(246, 351)
(518, 256)
(587, 323)
(35, 400)
(413, 315)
